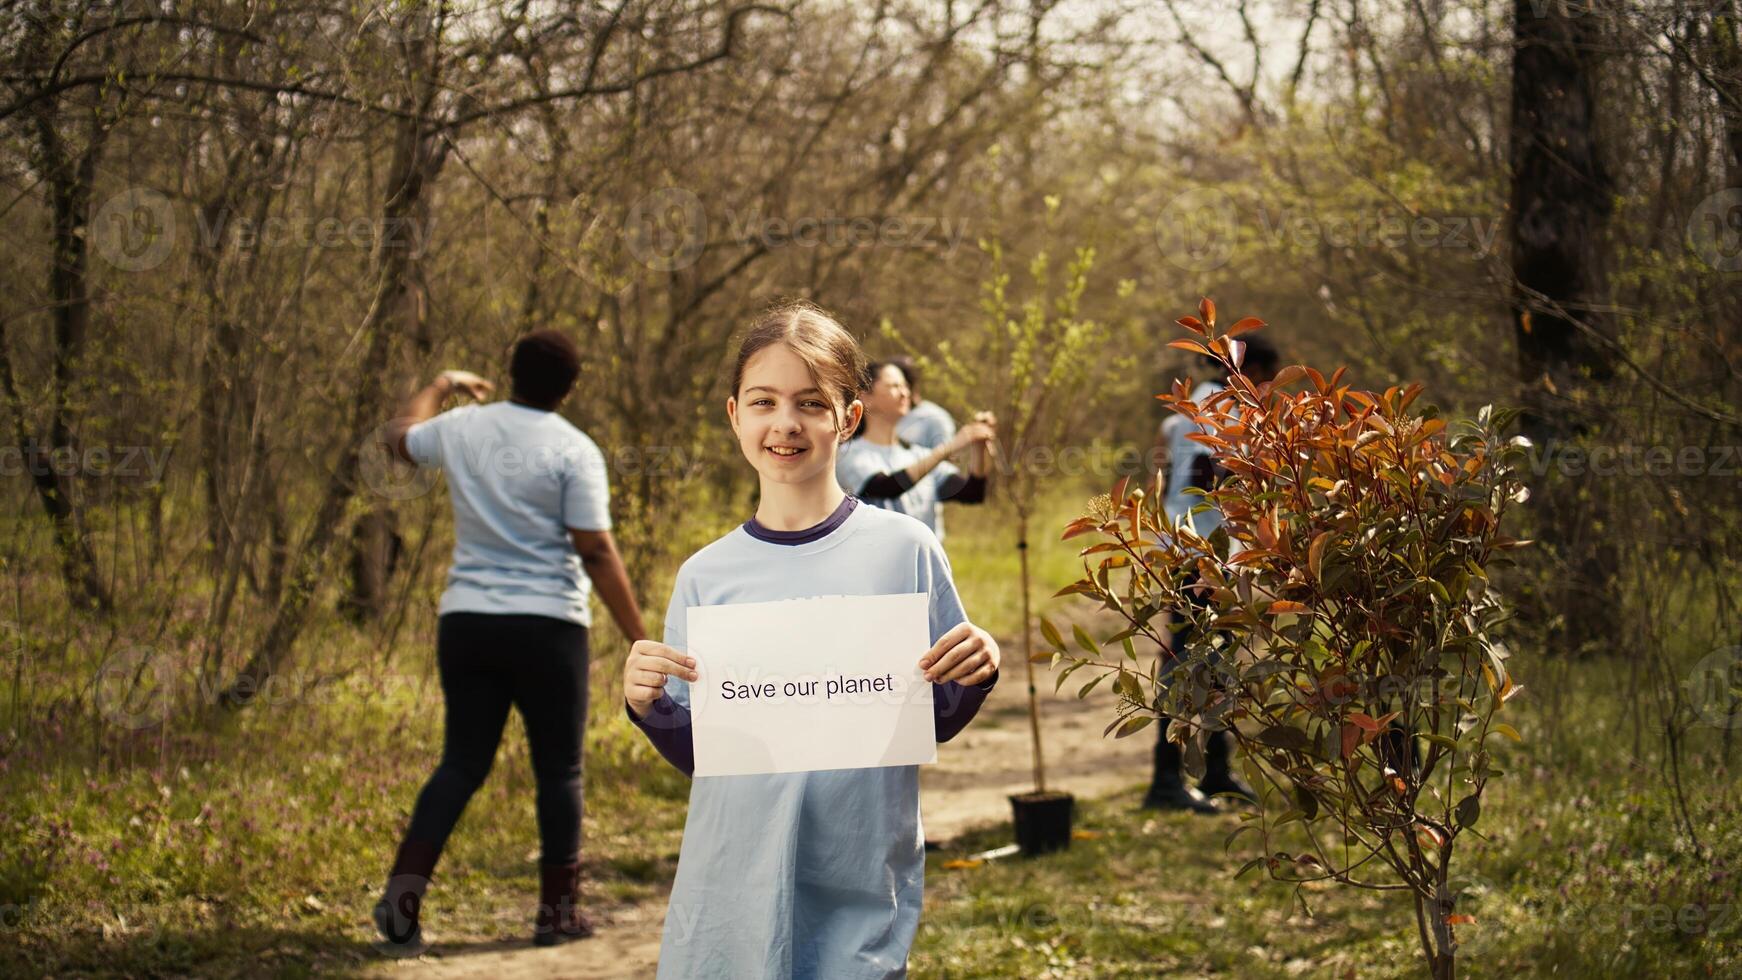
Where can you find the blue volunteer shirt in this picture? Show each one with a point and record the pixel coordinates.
(1183, 454)
(520, 479)
(803, 875)
(861, 459)
(927, 425)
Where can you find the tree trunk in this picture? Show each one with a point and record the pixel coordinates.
(1561, 194)
(417, 159)
(375, 549)
(375, 543)
(1028, 657)
(1727, 84)
(1442, 963)
(70, 182)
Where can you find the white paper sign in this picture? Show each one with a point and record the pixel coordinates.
(806, 684)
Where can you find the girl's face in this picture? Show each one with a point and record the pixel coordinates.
(786, 425)
(888, 396)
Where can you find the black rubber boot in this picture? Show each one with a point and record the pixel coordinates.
(1219, 775)
(1167, 788)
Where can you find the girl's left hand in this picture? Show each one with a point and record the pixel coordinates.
(966, 654)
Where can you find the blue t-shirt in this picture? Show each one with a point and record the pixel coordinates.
(806, 875)
(520, 478)
(926, 425)
(1183, 456)
(860, 459)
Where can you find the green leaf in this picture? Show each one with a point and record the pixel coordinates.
(1469, 809)
(1439, 591)
(1059, 684)
(1051, 632)
(1085, 641)
(1508, 731)
(1229, 841)
(1126, 684)
(1090, 686)
(1265, 668)
(1308, 803)
(1134, 724)
(1287, 738)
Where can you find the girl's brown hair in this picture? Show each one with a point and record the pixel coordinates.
(827, 349)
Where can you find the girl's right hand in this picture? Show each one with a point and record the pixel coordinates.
(646, 670)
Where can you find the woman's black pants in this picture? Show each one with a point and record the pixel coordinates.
(488, 663)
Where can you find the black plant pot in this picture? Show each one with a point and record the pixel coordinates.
(1043, 821)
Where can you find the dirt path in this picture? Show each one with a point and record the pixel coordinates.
(967, 787)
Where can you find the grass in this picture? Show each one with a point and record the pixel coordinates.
(176, 849)
(1578, 873)
(276, 846)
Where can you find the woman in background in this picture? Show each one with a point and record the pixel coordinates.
(886, 472)
(532, 538)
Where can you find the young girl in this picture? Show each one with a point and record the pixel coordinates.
(889, 473)
(811, 874)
